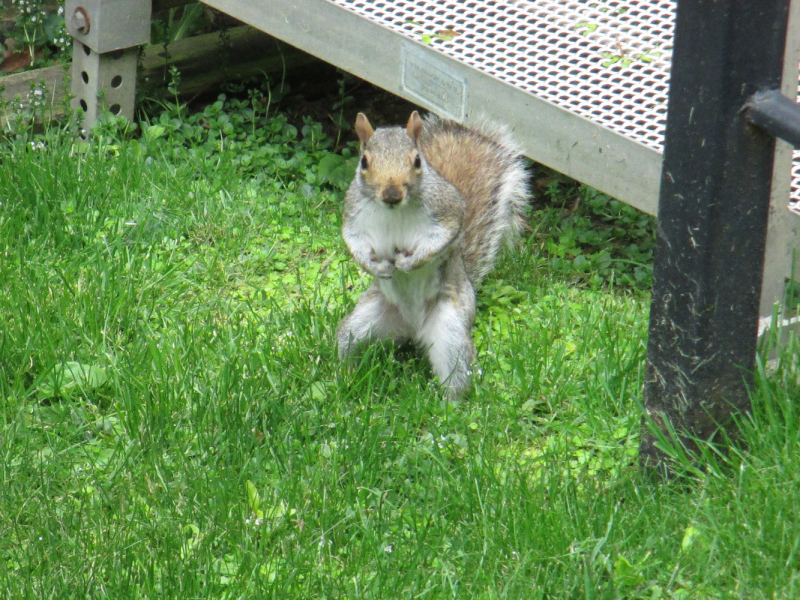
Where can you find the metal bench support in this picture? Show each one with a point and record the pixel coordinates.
(714, 208)
(104, 56)
(783, 237)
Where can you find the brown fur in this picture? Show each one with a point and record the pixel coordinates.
(474, 163)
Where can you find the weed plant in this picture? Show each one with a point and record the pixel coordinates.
(175, 423)
(592, 238)
(36, 27)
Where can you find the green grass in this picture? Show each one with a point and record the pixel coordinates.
(175, 423)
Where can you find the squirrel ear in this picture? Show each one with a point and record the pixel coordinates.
(363, 129)
(414, 127)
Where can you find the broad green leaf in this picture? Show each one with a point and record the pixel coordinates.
(154, 132)
(336, 170)
(690, 535)
(71, 377)
(253, 497)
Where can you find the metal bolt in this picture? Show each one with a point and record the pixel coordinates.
(80, 20)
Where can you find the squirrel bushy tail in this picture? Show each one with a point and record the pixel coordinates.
(486, 166)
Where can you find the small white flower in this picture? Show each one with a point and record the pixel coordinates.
(388, 549)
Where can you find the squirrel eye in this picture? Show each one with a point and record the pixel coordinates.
(417, 162)
(364, 163)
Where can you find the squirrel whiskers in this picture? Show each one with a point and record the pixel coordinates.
(427, 213)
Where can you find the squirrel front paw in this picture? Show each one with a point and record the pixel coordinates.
(383, 269)
(404, 260)
(405, 264)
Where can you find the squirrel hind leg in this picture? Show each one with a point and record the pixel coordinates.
(447, 338)
(373, 318)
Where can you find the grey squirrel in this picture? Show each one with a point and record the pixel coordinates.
(426, 214)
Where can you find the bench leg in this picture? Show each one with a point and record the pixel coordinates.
(103, 82)
(782, 253)
(104, 56)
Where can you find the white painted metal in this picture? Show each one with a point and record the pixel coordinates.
(104, 81)
(109, 25)
(794, 205)
(105, 53)
(605, 60)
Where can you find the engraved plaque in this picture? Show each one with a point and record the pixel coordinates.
(434, 82)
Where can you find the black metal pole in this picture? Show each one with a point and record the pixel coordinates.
(712, 218)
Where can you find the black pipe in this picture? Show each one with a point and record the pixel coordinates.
(776, 114)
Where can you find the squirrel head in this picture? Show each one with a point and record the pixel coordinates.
(391, 164)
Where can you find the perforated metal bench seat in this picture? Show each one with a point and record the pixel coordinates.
(607, 62)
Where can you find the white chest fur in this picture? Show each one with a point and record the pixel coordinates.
(403, 228)
(412, 293)
(391, 229)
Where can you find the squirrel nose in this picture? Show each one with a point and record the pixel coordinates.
(392, 195)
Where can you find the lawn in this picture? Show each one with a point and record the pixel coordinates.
(175, 423)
